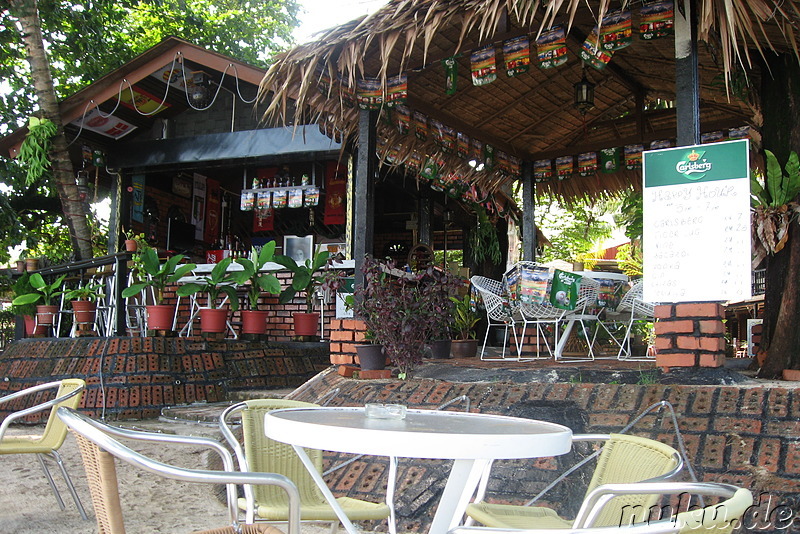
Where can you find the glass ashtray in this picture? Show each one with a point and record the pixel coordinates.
(385, 411)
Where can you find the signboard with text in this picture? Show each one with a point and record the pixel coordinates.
(697, 223)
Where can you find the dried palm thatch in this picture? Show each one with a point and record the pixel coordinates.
(413, 36)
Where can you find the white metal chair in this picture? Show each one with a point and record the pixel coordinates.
(686, 518)
(632, 308)
(498, 312)
(99, 447)
(586, 311)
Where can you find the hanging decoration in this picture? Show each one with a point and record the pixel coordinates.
(657, 20)
(431, 169)
(542, 170)
(477, 150)
(402, 118)
(517, 55)
(346, 93)
(633, 157)
(616, 32)
(488, 157)
(450, 74)
(564, 167)
(248, 201)
(414, 162)
(279, 199)
(436, 131)
(592, 54)
(310, 197)
(743, 132)
(369, 93)
(610, 159)
(587, 163)
(420, 126)
(551, 47)
(483, 65)
(335, 193)
(264, 220)
(462, 145)
(660, 143)
(397, 90)
(448, 139)
(711, 137)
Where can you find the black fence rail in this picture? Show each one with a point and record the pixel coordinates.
(759, 281)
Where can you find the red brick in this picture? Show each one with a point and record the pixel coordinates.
(713, 344)
(372, 374)
(335, 347)
(353, 324)
(336, 324)
(742, 453)
(341, 359)
(713, 455)
(737, 425)
(663, 311)
(711, 327)
(792, 461)
(346, 370)
(342, 335)
(685, 326)
(348, 348)
(712, 360)
(687, 342)
(699, 309)
(769, 452)
(675, 360)
(664, 343)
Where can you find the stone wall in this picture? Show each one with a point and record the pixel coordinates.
(133, 378)
(742, 435)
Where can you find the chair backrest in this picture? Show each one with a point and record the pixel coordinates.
(627, 459)
(56, 431)
(266, 455)
(491, 292)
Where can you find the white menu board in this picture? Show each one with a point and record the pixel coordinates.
(697, 223)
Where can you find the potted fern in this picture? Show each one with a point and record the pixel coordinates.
(465, 317)
(254, 321)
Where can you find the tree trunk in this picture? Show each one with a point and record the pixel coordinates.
(780, 100)
(63, 174)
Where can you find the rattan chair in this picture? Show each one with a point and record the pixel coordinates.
(498, 312)
(69, 393)
(263, 454)
(99, 449)
(719, 518)
(624, 459)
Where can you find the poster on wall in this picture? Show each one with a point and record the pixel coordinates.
(335, 191)
(212, 232)
(697, 223)
(199, 205)
(137, 202)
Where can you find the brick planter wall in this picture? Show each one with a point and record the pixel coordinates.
(747, 436)
(690, 334)
(133, 378)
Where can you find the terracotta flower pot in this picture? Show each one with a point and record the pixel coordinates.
(130, 245)
(20, 266)
(160, 317)
(85, 311)
(464, 348)
(791, 374)
(306, 324)
(254, 322)
(213, 319)
(33, 329)
(371, 357)
(32, 264)
(46, 314)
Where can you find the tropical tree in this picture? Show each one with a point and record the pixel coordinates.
(575, 230)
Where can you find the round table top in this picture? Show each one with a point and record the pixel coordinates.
(422, 434)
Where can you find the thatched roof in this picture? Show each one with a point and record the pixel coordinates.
(530, 116)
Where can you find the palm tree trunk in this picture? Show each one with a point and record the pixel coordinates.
(27, 13)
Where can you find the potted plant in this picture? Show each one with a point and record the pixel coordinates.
(46, 312)
(217, 282)
(157, 277)
(366, 305)
(84, 302)
(254, 321)
(439, 286)
(306, 278)
(132, 240)
(22, 286)
(465, 317)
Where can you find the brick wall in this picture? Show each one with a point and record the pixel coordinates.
(133, 378)
(742, 435)
(690, 334)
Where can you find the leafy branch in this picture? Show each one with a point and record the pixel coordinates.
(35, 147)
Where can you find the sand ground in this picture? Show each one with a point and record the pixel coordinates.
(150, 504)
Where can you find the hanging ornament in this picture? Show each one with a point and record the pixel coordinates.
(610, 159)
(587, 163)
(248, 201)
(656, 20)
(346, 93)
(517, 55)
(658, 144)
(592, 54)
(551, 47)
(397, 90)
(462, 145)
(488, 157)
(450, 74)
(743, 132)
(420, 126)
(615, 30)
(323, 79)
(711, 137)
(483, 65)
(564, 167)
(477, 150)
(402, 118)
(369, 94)
(633, 157)
(542, 170)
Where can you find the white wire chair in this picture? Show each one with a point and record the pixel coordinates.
(632, 308)
(498, 312)
(586, 311)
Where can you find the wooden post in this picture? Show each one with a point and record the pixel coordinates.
(364, 190)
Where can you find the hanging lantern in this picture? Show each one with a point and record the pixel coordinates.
(584, 95)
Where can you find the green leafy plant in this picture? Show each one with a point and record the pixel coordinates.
(772, 199)
(306, 277)
(483, 239)
(465, 317)
(34, 149)
(157, 275)
(218, 281)
(22, 286)
(259, 281)
(43, 291)
(86, 292)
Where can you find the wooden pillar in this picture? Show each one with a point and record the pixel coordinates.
(364, 190)
(687, 78)
(528, 212)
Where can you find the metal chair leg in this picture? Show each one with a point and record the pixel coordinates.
(50, 481)
(70, 485)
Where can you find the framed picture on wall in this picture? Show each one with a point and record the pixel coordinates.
(299, 248)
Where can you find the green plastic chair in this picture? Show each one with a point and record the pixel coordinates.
(263, 454)
(624, 459)
(719, 518)
(69, 394)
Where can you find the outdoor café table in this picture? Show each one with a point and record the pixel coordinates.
(472, 440)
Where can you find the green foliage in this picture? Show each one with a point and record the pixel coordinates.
(259, 281)
(776, 188)
(306, 277)
(34, 149)
(483, 239)
(42, 291)
(217, 282)
(631, 215)
(22, 286)
(465, 317)
(573, 231)
(158, 275)
(86, 292)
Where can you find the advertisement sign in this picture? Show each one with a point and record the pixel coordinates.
(697, 223)
(137, 202)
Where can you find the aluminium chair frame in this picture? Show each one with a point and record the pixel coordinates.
(53, 453)
(101, 435)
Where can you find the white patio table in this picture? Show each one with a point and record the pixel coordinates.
(472, 440)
